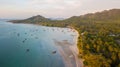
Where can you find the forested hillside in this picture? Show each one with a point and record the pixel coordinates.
(99, 40)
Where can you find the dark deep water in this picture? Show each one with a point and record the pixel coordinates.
(27, 45)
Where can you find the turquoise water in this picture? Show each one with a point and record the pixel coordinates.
(27, 45)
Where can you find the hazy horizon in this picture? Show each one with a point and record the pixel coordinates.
(14, 9)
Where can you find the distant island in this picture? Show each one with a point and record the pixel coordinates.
(99, 35)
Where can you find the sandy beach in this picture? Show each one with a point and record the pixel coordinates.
(69, 52)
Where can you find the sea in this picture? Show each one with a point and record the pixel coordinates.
(29, 45)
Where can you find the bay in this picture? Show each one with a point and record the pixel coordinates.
(28, 45)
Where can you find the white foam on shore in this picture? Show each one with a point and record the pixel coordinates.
(74, 48)
(69, 52)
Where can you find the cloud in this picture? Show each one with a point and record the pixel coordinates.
(54, 3)
(54, 8)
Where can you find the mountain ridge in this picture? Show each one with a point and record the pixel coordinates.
(105, 15)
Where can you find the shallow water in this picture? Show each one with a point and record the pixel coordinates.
(27, 45)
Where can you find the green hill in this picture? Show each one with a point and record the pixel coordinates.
(105, 15)
(34, 20)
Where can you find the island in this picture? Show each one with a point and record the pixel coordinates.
(99, 35)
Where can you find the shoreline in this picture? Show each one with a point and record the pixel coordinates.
(69, 52)
(75, 50)
(79, 60)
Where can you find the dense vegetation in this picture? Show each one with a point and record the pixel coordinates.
(99, 40)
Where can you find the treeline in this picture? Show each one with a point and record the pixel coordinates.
(99, 40)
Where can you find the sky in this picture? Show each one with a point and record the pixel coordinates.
(20, 9)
